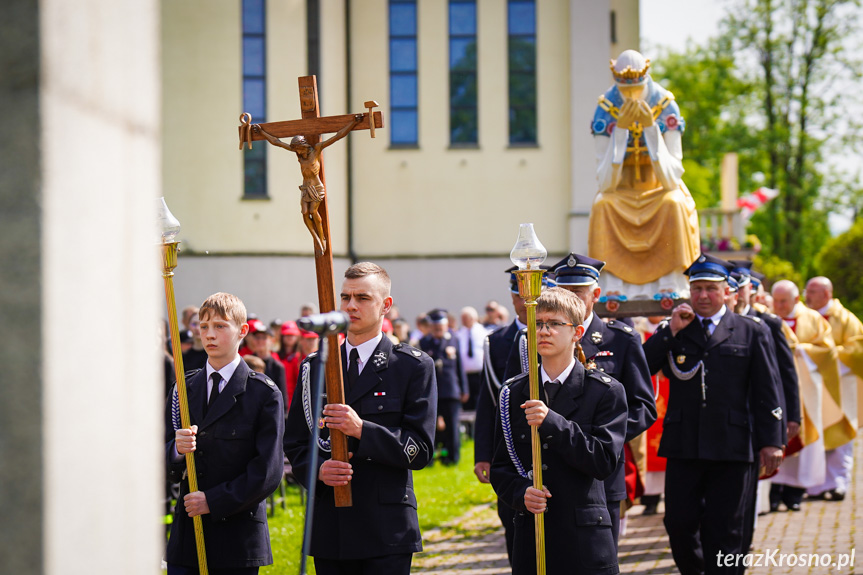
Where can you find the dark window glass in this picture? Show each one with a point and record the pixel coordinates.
(521, 52)
(403, 55)
(253, 16)
(255, 94)
(404, 90)
(403, 72)
(404, 126)
(463, 111)
(253, 56)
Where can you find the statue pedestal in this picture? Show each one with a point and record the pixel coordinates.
(639, 307)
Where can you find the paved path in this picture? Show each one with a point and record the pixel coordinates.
(473, 545)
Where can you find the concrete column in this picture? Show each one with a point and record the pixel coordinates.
(590, 44)
(82, 393)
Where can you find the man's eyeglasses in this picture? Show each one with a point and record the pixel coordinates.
(552, 326)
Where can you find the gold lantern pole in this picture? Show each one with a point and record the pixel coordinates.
(528, 254)
(170, 227)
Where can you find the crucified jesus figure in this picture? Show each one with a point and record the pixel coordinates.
(312, 190)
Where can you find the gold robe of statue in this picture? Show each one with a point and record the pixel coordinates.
(643, 222)
(847, 332)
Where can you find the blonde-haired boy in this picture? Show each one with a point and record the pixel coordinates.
(237, 425)
(582, 423)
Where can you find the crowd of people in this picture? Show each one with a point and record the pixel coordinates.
(739, 391)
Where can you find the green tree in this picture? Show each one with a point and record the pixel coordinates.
(797, 55)
(840, 260)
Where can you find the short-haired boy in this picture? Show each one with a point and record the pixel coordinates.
(237, 424)
(582, 423)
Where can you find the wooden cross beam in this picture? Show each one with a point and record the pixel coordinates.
(316, 217)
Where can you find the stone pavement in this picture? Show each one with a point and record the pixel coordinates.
(473, 544)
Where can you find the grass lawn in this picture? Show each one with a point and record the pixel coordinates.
(443, 493)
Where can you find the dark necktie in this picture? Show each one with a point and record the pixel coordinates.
(214, 393)
(706, 322)
(354, 367)
(551, 389)
(469, 344)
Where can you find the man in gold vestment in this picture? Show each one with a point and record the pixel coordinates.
(847, 332)
(643, 221)
(810, 338)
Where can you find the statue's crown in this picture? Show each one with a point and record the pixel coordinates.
(628, 75)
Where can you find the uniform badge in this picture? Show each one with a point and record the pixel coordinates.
(680, 359)
(450, 352)
(321, 423)
(380, 393)
(379, 359)
(596, 337)
(438, 363)
(702, 259)
(416, 352)
(447, 336)
(606, 379)
(411, 449)
(627, 329)
(777, 413)
(571, 262)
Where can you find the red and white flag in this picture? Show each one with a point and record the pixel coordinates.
(748, 203)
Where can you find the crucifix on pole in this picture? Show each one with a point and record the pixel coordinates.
(307, 144)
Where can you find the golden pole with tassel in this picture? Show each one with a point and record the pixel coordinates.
(528, 254)
(170, 227)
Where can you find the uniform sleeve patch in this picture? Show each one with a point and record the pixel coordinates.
(411, 449)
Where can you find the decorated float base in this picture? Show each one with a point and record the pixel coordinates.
(614, 308)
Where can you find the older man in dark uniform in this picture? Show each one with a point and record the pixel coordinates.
(722, 392)
(442, 346)
(498, 347)
(389, 418)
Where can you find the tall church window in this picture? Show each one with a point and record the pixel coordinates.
(255, 94)
(463, 114)
(404, 114)
(521, 52)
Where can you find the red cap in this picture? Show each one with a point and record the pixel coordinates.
(257, 326)
(308, 334)
(388, 326)
(290, 328)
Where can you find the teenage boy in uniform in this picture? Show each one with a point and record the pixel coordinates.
(389, 418)
(238, 419)
(582, 424)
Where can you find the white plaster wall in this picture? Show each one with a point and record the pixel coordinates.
(103, 388)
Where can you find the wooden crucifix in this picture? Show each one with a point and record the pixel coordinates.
(308, 146)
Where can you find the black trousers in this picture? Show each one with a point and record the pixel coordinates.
(180, 570)
(386, 565)
(705, 504)
(614, 511)
(507, 517)
(473, 380)
(450, 437)
(749, 513)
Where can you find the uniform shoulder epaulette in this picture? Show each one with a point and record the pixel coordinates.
(258, 376)
(620, 326)
(754, 318)
(192, 372)
(662, 324)
(310, 357)
(600, 376)
(516, 378)
(408, 350)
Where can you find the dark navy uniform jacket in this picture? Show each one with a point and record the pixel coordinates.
(239, 461)
(785, 365)
(616, 349)
(500, 344)
(451, 377)
(741, 409)
(582, 436)
(396, 397)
